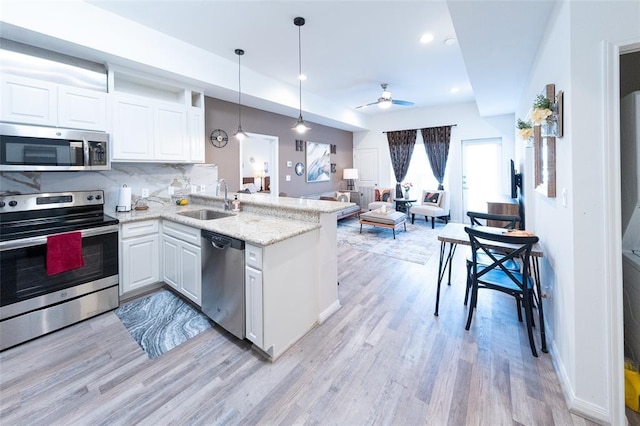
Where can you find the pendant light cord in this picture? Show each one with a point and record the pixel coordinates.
(300, 66)
(239, 93)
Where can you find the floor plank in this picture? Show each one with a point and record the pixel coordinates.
(383, 358)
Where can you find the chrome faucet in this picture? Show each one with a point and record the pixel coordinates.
(226, 193)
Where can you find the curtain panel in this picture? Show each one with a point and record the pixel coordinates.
(436, 143)
(401, 145)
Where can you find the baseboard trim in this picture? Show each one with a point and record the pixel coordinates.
(576, 405)
(332, 309)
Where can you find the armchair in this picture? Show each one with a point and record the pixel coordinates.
(434, 204)
(383, 197)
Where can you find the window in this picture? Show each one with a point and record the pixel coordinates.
(420, 174)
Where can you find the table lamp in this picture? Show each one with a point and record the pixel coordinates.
(350, 175)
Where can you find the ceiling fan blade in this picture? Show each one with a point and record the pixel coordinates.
(399, 102)
(366, 105)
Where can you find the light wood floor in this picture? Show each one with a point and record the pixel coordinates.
(383, 358)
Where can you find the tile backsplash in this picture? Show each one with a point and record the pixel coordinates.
(157, 178)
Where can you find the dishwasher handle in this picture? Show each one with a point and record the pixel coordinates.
(219, 245)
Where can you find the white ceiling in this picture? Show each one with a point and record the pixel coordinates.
(350, 47)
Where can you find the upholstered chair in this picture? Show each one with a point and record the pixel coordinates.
(433, 204)
(383, 197)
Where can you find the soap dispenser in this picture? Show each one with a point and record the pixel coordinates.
(235, 204)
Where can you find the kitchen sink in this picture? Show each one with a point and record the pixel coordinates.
(205, 214)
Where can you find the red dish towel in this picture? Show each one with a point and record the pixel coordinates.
(64, 252)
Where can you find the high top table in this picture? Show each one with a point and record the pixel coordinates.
(454, 234)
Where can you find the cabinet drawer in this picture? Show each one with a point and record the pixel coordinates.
(253, 256)
(134, 229)
(182, 232)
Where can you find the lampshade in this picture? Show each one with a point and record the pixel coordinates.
(300, 126)
(239, 134)
(350, 174)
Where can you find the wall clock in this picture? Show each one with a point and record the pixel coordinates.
(219, 138)
(299, 169)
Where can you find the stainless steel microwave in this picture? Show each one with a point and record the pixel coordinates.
(36, 148)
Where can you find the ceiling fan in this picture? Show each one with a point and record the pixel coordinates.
(385, 100)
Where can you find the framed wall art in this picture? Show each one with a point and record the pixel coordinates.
(318, 162)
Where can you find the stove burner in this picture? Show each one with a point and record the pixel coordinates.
(31, 215)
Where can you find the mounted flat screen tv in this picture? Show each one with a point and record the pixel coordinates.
(516, 181)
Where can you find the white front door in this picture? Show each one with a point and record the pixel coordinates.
(366, 161)
(481, 167)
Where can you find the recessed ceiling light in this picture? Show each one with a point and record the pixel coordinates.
(426, 38)
(454, 90)
(449, 41)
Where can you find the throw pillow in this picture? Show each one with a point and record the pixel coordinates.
(431, 198)
(344, 197)
(383, 195)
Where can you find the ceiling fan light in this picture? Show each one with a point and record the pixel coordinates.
(384, 103)
(302, 77)
(386, 95)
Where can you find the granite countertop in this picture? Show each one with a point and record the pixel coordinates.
(307, 205)
(254, 228)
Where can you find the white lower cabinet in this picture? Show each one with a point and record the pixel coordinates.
(253, 295)
(281, 292)
(182, 259)
(139, 254)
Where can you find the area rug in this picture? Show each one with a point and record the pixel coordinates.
(416, 245)
(161, 322)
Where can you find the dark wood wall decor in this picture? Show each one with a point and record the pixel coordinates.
(545, 163)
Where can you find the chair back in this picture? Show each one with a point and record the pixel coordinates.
(519, 248)
(507, 221)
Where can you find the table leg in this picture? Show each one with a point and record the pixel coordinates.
(536, 278)
(442, 267)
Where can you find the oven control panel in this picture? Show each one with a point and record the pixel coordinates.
(52, 200)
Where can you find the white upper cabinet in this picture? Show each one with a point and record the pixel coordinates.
(82, 108)
(31, 101)
(155, 120)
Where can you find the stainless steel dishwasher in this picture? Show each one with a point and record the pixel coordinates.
(223, 281)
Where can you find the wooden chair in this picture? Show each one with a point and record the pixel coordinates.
(481, 219)
(496, 276)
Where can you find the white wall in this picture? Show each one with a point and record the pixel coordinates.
(469, 125)
(574, 237)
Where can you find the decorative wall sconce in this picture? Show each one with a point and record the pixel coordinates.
(547, 112)
(334, 149)
(333, 167)
(299, 145)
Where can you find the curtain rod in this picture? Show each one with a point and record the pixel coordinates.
(446, 125)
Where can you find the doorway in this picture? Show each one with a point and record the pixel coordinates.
(481, 166)
(259, 163)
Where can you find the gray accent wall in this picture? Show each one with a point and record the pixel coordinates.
(224, 115)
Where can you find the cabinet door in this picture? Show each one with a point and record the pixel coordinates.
(191, 272)
(171, 142)
(253, 308)
(196, 135)
(140, 262)
(82, 108)
(26, 100)
(171, 261)
(132, 136)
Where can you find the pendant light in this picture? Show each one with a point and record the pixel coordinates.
(300, 125)
(240, 134)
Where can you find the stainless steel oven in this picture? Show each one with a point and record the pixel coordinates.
(32, 300)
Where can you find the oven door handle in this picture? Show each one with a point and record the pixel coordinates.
(36, 241)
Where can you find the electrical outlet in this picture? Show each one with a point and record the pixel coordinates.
(144, 192)
(202, 188)
(194, 189)
(171, 190)
(288, 178)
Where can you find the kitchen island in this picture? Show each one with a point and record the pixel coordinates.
(291, 260)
